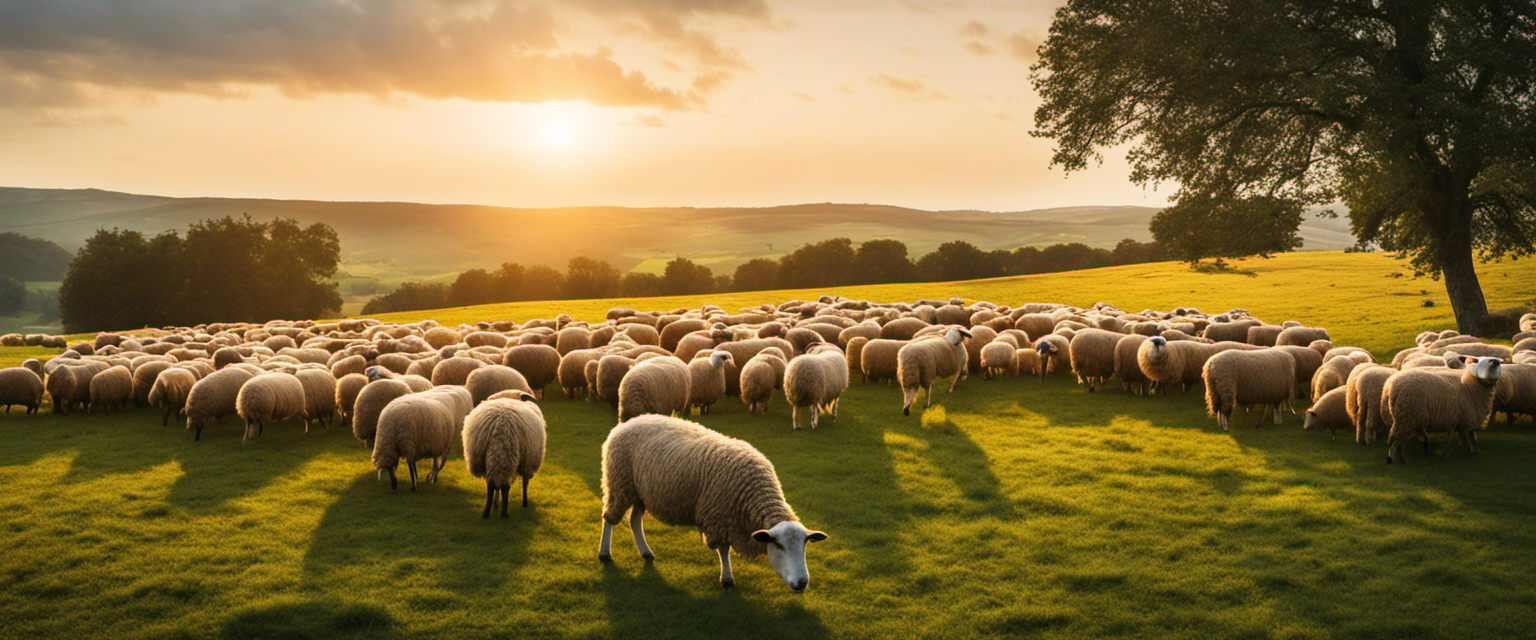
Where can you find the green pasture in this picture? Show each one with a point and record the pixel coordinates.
(1012, 508)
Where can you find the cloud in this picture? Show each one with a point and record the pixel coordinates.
(910, 87)
(978, 48)
(67, 54)
(975, 29)
(651, 121)
(1023, 44)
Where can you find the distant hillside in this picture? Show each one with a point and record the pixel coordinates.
(25, 258)
(394, 241)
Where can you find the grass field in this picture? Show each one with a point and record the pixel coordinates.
(1011, 508)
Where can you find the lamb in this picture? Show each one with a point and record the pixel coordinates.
(920, 362)
(1329, 413)
(817, 380)
(483, 382)
(269, 397)
(759, 377)
(503, 438)
(347, 388)
(656, 385)
(1263, 377)
(688, 475)
(1092, 354)
(1127, 368)
(1331, 375)
(1054, 353)
(370, 402)
(319, 396)
(413, 427)
(21, 386)
(111, 388)
(1362, 401)
(1419, 402)
(539, 364)
(707, 379)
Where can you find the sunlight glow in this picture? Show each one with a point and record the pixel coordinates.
(558, 133)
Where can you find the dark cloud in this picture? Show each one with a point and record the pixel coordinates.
(64, 53)
(909, 87)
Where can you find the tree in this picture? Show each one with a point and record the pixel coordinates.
(475, 286)
(411, 296)
(757, 274)
(1415, 114)
(640, 285)
(1132, 252)
(13, 296)
(827, 263)
(542, 282)
(588, 278)
(683, 276)
(957, 260)
(25, 258)
(1198, 228)
(880, 261)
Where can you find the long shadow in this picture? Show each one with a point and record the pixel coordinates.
(209, 480)
(319, 618)
(646, 606)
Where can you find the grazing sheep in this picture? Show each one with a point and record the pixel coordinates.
(503, 438)
(33, 365)
(454, 370)
(688, 475)
(1037, 325)
(347, 389)
(1264, 335)
(1263, 377)
(111, 388)
(1127, 368)
(1331, 375)
(69, 385)
(655, 385)
(484, 382)
(920, 362)
(1516, 392)
(902, 328)
(998, 359)
(760, 376)
(350, 364)
(269, 397)
(213, 397)
(1329, 412)
(319, 396)
(1054, 353)
(1027, 360)
(370, 402)
(741, 351)
(707, 379)
(21, 386)
(817, 380)
(539, 364)
(611, 370)
(1308, 361)
(878, 359)
(1092, 354)
(413, 427)
(1362, 401)
(144, 379)
(573, 371)
(1302, 336)
(675, 330)
(1421, 401)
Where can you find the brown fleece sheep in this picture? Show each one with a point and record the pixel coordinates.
(1362, 401)
(1092, 353)
(1054, 353)
(657, 385)
(269, 397)
(144, 379)
(455, 370)
(611, 369)
(999, 360)
(1329, 412)
(687, 475)
(1331, 375)
(674, 331)
(1037, 325)
(902, 328)
(573, 371)
(21, 386)
(1421, 401)
(1264, 377)
(816, 380)
(504, 438)
(539, 364)
(111, 388)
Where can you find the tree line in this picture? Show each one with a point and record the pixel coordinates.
(222, 270)
(829, 263)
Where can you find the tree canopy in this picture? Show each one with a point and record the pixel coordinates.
(1418, 115)
(1199, 228)
(25, 258)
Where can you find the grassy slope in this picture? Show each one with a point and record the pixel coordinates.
(1010, 508)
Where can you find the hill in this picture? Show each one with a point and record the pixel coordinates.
(396, 241)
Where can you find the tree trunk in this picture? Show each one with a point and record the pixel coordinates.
(1461, 284)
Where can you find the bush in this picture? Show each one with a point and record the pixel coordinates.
(1504, 323)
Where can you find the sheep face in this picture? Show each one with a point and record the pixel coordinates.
(1485, 369)
(719, 359)
(786, 551)
(956, 334)
(1311, 423)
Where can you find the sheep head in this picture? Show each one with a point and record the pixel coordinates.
(1485, 369)
(786, 551)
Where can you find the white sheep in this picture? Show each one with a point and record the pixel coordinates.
(816, 380)
(759, 377)
(215, 396)
(1263, 377)
(1423, 401)
(707, 378)
(504, 438)
(656, 385)
(687, 475)
(413, 427)
(922, 361)
(1092, 353)
(269, 397)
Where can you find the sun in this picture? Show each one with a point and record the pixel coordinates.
(558, 133)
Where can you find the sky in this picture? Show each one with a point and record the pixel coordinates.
(533, 103)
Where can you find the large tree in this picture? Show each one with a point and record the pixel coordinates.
(1198, 228)
(1418, 115)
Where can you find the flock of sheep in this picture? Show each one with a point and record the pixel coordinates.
(411, 391)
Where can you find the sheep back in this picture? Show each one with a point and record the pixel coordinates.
(504, 438)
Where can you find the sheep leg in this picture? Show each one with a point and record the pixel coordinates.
(815, 414)
(794, 416)
(165, 417)
(1277, 414)
(1472, 435)
(638, 528)
(490, 498)
(952, 382)
(197, 434)
(412, 465)
(508, 488)
(602, 548)
(928, 395)
(1221, 419)
(839, 400)
(727, 580)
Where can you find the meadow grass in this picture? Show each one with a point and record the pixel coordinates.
(1012, 507)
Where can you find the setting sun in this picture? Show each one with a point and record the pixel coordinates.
(557, 133)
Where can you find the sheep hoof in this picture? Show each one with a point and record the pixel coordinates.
(648, 556)
(603, 557)
(727, 584)
(906, 411)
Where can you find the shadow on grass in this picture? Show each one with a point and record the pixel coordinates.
(645, 606)
(314, 619)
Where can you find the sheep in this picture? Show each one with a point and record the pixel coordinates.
(347, 388)
(1027, 360)
(759, 377)
(1054, 353)
(1516, 393)
(144, 377)
(1478, 349)
(656, 385)
(1127, 368)
(1163, 362)
(1263, 377)
(483, 382)
(1329, 413)
(539, 364)
(1037, 325)
(921, 361)
(354, 363)
(707, 379)
(687, 475)
(70, 386)
(1362, 401)
(741, 351)
(269, 397)
(454, 370)
(1420, 401)
(21, 386)
(1234, 331)
(319, 396)
(370, 402)
(111, 388)
(573, 371)
(611, 370)
(817, 380)
(503, 438)
(1263, 335)
(998, 359)
(413, 427)
(1092, 353)
(674, 331)
(1331, 375)
(33, 365)
(1301, 336)
(1308, 361)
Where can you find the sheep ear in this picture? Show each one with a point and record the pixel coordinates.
(1469, 359)
(815, 536)
(762, 535)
